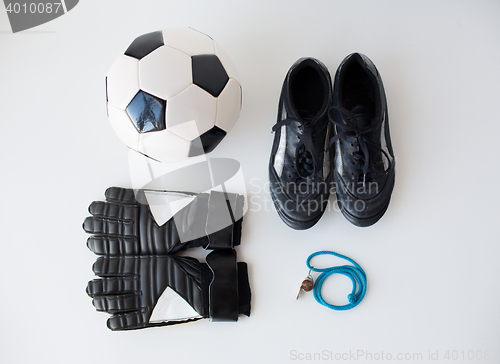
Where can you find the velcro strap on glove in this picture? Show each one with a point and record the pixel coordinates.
(221, 284)
(224, 216)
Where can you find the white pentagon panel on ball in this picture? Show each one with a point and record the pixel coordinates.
(123, 126)
(226, 62)
(122, 81)
(228, 105)
(164, 146)
(188, 40)
(165, 72)
(192, 104)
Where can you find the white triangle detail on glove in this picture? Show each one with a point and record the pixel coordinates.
(172, 307)
(164, 205)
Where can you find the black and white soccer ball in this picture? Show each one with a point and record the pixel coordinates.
(173, 94)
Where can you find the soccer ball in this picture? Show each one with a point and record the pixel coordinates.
(173, 94)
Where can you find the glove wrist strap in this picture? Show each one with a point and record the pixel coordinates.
(223, 224)
(221, 285)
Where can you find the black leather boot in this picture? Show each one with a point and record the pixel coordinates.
(299, 167)
(364, 160)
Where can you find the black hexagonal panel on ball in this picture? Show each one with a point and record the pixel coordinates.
(209, 73)
(147, 112)
(145, 44)
(209, 140)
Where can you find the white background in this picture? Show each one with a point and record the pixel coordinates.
(431, 262)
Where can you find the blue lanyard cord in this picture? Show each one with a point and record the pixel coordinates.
(354, 272)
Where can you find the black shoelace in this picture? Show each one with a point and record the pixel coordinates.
(306, 156)
(350, 127)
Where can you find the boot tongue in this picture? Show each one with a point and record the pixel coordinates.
(362, 115)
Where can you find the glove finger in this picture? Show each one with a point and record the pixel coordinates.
(113, 211)
(112, 285)
(113, 245)
(116, 266)
(122, 195)
(117, 303)
(102, 226)
(128, 321)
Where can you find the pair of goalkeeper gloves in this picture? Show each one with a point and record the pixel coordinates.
(144, 282)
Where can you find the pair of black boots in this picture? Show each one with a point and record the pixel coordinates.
(143, 280)
(328, 138)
